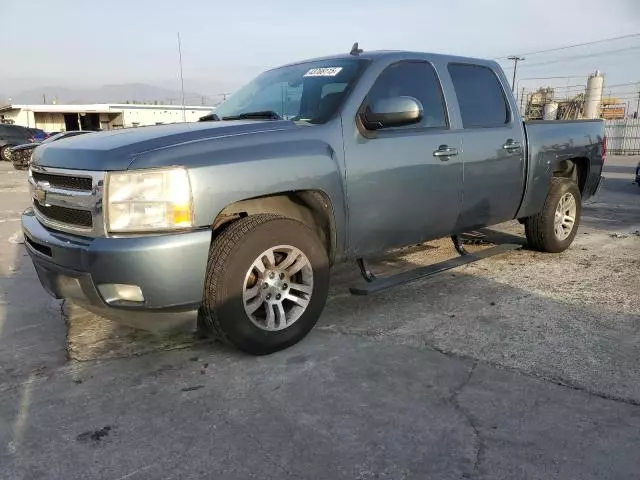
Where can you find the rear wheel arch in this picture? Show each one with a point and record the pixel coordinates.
(311, 207)
(576, 169)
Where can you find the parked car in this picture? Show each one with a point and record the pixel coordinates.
(237, 221)
(21, 154)
(638, 174)
(10, 136)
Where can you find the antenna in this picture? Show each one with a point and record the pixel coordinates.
(355, 51)
(184, 112)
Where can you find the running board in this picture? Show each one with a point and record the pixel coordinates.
(377, 284)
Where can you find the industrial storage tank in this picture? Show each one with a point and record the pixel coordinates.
(550, 111)
(593, 96)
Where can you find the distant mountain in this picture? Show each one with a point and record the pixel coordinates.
(131, 92)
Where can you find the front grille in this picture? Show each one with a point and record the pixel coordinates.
(72, 216)
(64, 181)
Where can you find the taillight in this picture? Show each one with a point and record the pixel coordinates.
(604, 148)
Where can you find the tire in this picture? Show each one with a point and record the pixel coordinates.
(231, 271)
(4, 153)
(541, 228)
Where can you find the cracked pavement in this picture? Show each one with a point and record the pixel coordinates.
(522, 366)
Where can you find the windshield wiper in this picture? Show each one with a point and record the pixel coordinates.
(262, 115)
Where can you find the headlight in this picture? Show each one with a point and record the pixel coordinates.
(148, 200)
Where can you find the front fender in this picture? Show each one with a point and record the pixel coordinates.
(227, 170)
(262, 170)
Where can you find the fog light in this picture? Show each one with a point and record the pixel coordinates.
(114, 292)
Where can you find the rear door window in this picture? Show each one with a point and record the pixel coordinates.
(480, 96)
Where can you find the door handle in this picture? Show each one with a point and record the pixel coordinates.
(444, 152)
(511, 145)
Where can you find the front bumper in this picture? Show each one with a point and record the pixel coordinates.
(169, 269)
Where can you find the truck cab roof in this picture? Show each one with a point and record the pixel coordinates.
(376, 55)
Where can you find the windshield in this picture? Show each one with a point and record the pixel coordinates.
(310, 92)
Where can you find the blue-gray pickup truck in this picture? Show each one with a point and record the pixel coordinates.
(236, 221)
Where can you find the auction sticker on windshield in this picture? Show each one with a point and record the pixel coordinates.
(323, 72)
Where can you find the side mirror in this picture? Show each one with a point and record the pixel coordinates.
(392, 112)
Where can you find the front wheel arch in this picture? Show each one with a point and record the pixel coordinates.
(311, 207)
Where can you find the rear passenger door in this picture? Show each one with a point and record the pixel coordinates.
(493, 147)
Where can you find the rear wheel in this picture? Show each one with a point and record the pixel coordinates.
(554, 228)
(266, 285)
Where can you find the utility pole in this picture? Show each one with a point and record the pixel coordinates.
(515, 59)
(184, 112)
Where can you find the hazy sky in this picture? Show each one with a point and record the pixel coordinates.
(76, 42)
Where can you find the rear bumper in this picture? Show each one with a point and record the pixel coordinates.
(168, 269)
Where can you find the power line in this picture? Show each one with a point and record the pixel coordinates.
(575, 45)
(580, 57)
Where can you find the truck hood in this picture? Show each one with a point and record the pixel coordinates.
(117, 149)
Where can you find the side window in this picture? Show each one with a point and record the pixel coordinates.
(480, 96)
(417, 80)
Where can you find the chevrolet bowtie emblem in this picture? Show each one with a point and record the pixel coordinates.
(40, 192)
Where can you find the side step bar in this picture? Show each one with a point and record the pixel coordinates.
(373, 284)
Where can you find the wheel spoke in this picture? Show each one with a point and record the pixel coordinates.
(259, 266)
(299, 287)
(281, 315)
(292, 256)
(559, 231)
(570, 204)
(253, 305)
(270, 259)
(568, 221)
(300, 263)
(303, 302)
(270, 320)
(252, 292)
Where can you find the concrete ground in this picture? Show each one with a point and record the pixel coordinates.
(522, 366)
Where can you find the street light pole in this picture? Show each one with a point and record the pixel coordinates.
(515, 59)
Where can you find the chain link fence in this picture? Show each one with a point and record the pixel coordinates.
(623, 136)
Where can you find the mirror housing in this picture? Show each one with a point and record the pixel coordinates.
(392, 112)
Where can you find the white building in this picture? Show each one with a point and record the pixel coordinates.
(56, 118)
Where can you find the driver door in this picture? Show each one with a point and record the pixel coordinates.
(400, 190)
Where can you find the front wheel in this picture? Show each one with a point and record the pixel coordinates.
(266, 285)
(554, 228)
